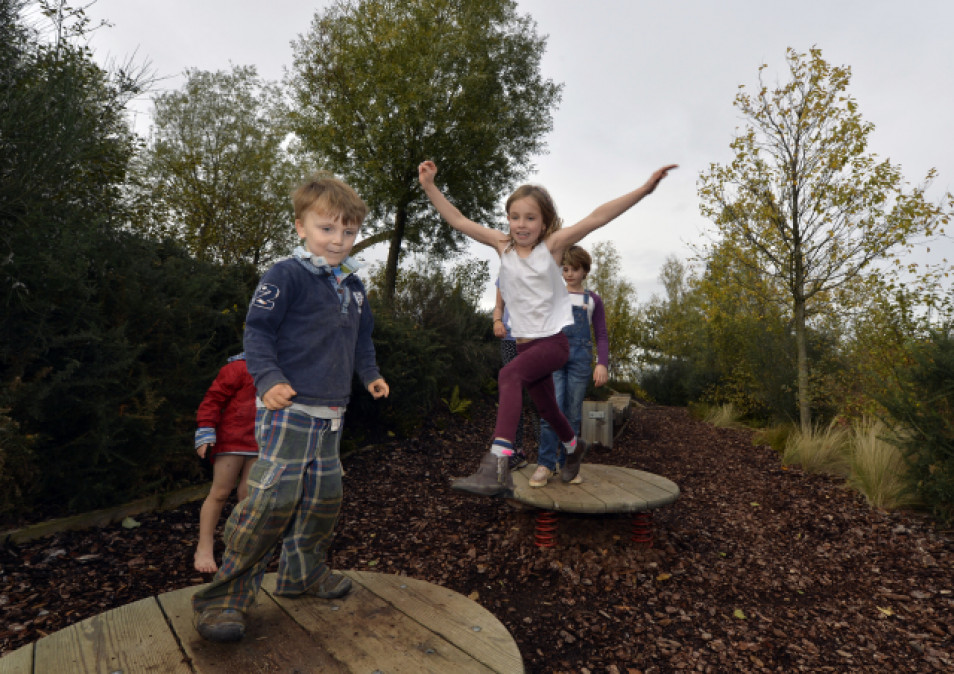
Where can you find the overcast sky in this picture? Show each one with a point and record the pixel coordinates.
(645, 84)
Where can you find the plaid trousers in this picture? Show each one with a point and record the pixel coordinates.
(294, 496)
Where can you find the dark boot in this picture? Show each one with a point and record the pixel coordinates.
(332, 586)
(518, 459)
(491, 479)
(220, 625)
(571, 468)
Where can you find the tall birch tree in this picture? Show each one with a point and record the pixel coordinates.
(804, 201)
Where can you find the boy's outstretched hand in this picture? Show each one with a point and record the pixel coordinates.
(379, 389)
(657, 177)
(426, 171)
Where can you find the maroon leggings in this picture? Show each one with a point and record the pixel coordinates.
(533, 368)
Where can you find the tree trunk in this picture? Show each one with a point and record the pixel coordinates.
(798, 297)
(801, 339)
(801, 346)
(394, 254)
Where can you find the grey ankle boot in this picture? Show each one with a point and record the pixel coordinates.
(491, 479)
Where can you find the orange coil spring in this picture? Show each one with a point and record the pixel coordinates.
(643, 529)
(545, 535)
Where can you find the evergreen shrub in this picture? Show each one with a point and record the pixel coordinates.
(924, 406)
(18, 467)
(431, 338)
(676, 382)
(107, 396)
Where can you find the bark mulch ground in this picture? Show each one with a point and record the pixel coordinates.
(754, 567)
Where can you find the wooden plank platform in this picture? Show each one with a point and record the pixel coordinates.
(605, 489)
(387, 623)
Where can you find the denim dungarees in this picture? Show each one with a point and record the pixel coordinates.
(570, 382)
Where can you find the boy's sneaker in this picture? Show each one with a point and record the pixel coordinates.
(518, 459)
(220, 624)
(540, 476)
(332, 586)
(571, 469)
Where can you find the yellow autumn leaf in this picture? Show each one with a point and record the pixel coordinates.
(737, 613)
(886, 611)
(664, 576)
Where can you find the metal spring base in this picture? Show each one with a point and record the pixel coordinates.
(545, 534)
(643, 529)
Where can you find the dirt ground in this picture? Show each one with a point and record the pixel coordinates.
(754, 568)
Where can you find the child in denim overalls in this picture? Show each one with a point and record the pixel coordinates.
(571, 379)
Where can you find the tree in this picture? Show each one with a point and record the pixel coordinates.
(216, 175)
(678, 362)
(669, 330)
(381, 85)
(622, 313)
(748, 337)
(804, 202)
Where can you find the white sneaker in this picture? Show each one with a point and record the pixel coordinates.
(540, 476)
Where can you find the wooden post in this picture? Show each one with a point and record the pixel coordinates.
(597, 423)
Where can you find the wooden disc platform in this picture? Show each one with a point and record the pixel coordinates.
(605, 489)
(387, 623)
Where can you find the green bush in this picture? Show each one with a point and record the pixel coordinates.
(775, 436)
(924, 406)
(108, 392)
(18, 468)
(676, 382)
(413, 362)
(429, 340)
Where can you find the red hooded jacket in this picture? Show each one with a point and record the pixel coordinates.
(229, 408)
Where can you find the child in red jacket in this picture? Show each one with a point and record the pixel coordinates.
(226, 433)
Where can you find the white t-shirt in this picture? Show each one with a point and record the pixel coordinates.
(576, 300)
(534, 293)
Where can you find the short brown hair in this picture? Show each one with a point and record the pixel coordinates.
(330, 196)
(577, 257)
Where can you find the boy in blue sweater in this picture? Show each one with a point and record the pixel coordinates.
(308, 330)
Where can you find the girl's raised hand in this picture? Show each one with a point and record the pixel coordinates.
(656, 177)
(426, 171)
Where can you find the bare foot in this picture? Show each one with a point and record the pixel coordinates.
(204, 561)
